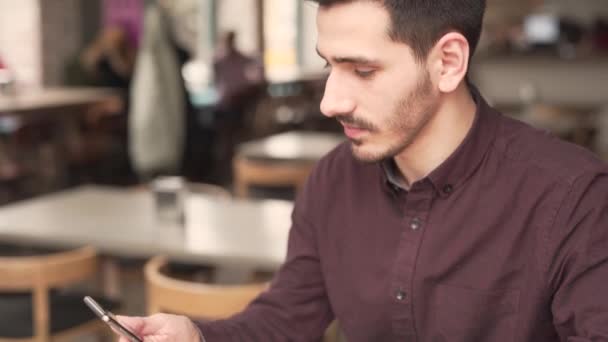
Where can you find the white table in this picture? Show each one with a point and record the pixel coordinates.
(294, 146)
(122, 223)
(50, 101)
(284, 159)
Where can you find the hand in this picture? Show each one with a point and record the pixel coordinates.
(161, 328)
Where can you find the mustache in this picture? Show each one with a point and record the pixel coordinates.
(352, 121)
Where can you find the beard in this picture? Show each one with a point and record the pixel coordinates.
(410, 116)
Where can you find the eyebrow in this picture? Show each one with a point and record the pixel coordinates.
(350, 60)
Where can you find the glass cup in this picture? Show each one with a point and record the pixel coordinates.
(169, 196)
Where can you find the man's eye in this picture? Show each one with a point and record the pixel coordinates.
(326, 66)
(364, 73)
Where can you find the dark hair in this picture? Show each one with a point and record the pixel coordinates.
(421, 23)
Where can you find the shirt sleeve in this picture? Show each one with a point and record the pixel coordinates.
(295, 307)
(578, 272)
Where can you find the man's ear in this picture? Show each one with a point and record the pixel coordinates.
(449, 61)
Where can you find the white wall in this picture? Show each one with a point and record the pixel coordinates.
(310, 59)
(280, 39)
(20, 43)
(62, 40)
(239, 16)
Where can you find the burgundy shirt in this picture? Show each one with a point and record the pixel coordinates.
(507, 240)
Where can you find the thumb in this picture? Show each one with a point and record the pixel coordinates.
(135, 324)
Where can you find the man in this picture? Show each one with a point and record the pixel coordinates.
(238, 80)
(235, 75)
(447, 222)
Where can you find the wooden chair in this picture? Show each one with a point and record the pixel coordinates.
(250, 172)
(130, 271)
(569, 123)
(197, 300)
(33, 306)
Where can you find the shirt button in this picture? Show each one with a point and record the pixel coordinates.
(447, 189)
(401, 295)
(415, 223)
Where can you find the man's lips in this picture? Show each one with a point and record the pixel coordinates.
(353, 132)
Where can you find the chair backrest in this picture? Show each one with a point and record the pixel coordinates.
(49, 270)
(248, 172)
(37, 274)
(208, 301)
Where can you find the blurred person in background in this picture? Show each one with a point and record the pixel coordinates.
(107, 61)
(239, 80)
(440, 219)
(235, 76)
(96, 146)
(110, 58)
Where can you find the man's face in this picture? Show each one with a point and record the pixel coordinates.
(376, 89)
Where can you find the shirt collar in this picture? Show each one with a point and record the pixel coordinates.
(393, 177)
(461, 164)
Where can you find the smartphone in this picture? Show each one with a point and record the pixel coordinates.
(110, 320)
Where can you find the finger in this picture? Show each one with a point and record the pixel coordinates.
(135, 324)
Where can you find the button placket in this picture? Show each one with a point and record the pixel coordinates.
(416, 207)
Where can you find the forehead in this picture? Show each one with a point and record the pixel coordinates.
(355, 27)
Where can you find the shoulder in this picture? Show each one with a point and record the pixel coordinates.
(555, 159)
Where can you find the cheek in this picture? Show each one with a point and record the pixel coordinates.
(384, 101)
(378, 100)
(396, 112)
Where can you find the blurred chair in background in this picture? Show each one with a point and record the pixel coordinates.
(11, 175)
(248, 173)
(572, 124)
(168, 294)
(34, 305)
(29, 158)
(131, 270)
(194, 299)
(280, 162)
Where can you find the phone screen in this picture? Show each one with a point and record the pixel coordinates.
(110, 320)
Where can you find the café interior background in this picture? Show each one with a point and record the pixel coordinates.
(542, 61)
(78, 78)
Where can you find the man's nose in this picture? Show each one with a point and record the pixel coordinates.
(336, 100)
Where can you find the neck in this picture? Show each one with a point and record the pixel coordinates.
(440, 137)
